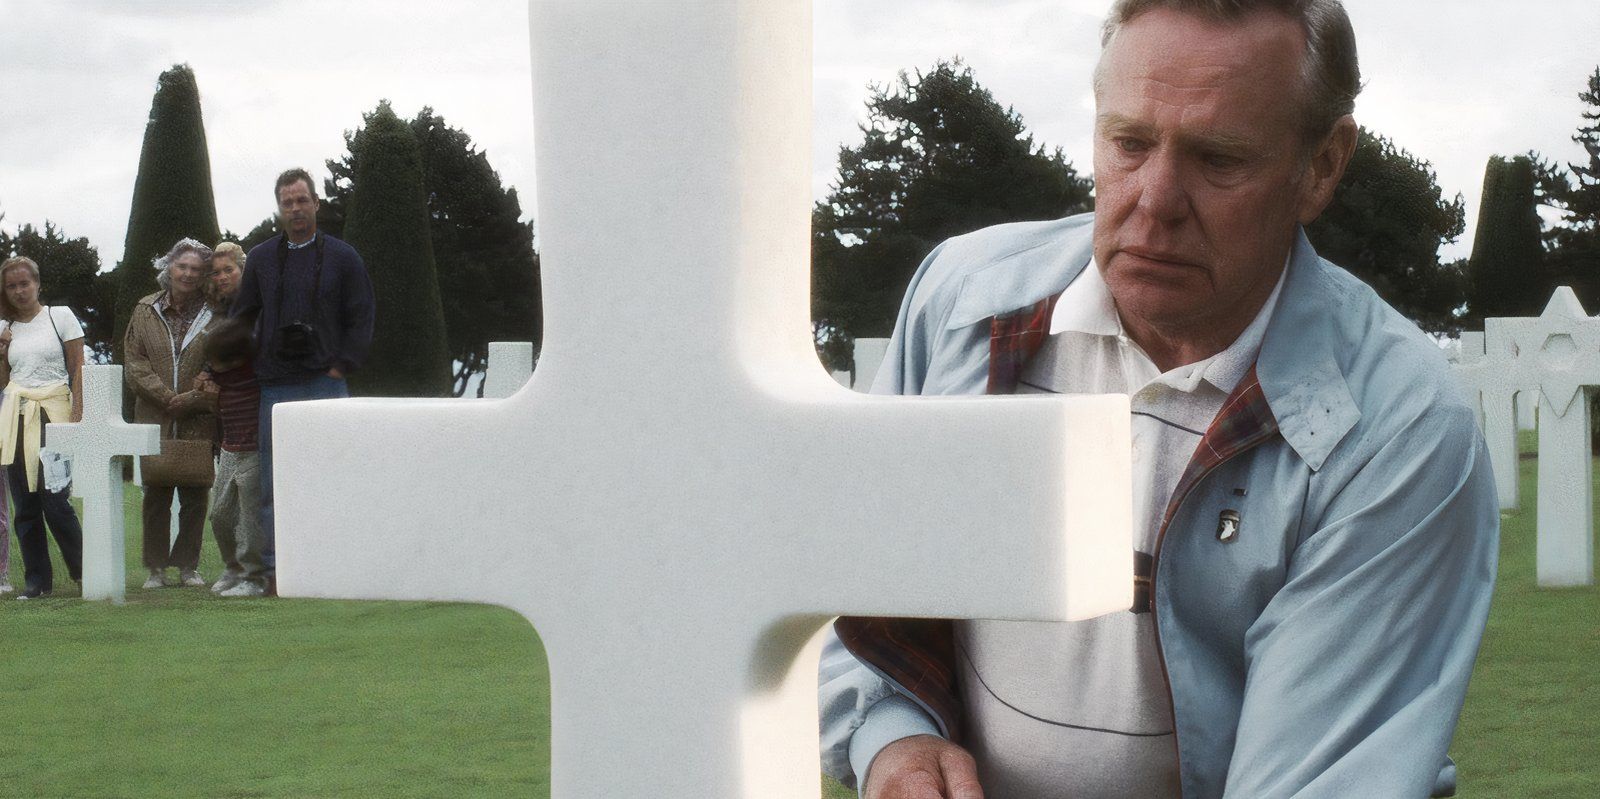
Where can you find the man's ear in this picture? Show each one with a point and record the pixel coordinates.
(1325, 167)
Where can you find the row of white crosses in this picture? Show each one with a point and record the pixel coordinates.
(1551, 359)
(680, 498)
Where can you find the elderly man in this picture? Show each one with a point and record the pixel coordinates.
(1317, 525)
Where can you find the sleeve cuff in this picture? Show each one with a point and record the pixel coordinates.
(889, 720)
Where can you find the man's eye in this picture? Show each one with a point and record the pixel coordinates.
(1130, 145)
(1223, 162)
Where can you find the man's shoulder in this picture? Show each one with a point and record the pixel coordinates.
(1396, 373)
(337, 248)
(1004, 267)
(266, 250)
(1005, 243)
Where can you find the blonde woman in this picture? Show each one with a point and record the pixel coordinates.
(41, 364)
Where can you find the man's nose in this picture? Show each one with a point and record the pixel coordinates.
(1162, 193)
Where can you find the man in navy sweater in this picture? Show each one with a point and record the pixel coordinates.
(311, 304)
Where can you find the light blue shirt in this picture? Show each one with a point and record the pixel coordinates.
(1325, 649)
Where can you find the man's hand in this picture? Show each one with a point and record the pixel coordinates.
(335, 373)
(922, 767)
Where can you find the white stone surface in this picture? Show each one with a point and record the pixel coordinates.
(510, 366)
(96, 445)
(681, 498)
(869, 354)
(1492, 380)
(1558, 354)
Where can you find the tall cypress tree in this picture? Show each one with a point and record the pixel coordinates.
(488, 268)
(172, 196)
(387, 222)
(1507, 264)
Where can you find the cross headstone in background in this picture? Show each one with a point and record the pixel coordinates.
(510, 366)
(96, 446)
(869, 356)
(1492, 385)
(1557, 355)
(680, 499)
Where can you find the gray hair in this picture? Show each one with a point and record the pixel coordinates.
(182, 248)
(1331, 73)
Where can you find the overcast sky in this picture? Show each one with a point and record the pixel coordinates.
(1453, 81)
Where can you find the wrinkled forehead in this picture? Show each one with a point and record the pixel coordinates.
(1182, 51)
(1239, 78)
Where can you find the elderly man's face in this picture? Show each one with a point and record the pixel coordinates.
(1201, 168)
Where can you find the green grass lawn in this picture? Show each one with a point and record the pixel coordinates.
(180, 693)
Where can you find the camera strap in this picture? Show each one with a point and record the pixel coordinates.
(316, 277)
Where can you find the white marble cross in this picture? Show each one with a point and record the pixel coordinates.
(96, 446)
(1558, 355)
(1492, 383)
(680, 498)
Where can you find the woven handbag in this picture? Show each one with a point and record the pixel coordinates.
(183, 463)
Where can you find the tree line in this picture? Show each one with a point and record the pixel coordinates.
(454, 264)
(452, 261)
(939, 156)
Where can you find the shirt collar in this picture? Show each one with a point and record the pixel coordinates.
(1086, 306)
(302, 245)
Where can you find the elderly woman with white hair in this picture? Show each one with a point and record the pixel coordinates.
(163, 356)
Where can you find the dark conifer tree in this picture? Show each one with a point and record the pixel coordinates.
(488, 268)
(172, 196)
(387, 222)
(940, 157)
(1507, 271)
(1385, 225)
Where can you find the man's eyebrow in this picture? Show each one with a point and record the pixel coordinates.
(1229, 142)
(1119, 123)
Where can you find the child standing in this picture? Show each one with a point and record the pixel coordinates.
(231, 382)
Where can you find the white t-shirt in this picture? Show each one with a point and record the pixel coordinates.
(36, 356)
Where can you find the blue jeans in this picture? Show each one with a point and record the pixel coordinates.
(319, 387)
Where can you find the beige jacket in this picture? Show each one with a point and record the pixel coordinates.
(156, 371)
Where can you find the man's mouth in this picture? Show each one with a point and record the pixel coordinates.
(1160, 257)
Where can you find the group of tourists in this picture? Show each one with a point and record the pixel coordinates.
(227, 336)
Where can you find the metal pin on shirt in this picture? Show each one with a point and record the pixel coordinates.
(1228, 526)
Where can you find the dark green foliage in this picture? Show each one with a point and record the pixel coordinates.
(1507, 271)
(940, 158)
(172, 195)
(488, 268)
(1573, 247)
(69, 274)
(388, 224)
(265, 229)
(1386, 223)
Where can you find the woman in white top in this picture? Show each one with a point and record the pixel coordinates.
(42, 368)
